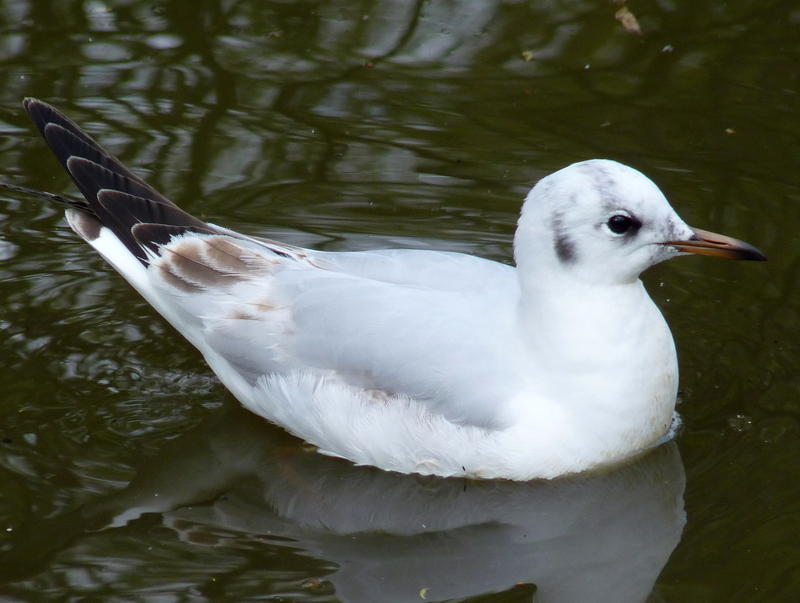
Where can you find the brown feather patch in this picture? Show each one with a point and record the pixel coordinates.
(266, 305)
(85, 226)
(212, 262)
(240, 314)
(176, 281)
(186, 261)
(225, 256)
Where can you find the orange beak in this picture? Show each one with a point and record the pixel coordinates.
(703, 242)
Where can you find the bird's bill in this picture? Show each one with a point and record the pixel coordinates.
(703, 242)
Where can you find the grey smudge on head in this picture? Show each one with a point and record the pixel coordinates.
(564, 246)
(602, 179)
(605, 182)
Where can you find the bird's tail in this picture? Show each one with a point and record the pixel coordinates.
(116, 199)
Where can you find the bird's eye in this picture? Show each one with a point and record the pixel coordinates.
(620, 223)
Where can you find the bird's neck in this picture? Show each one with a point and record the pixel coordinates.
(606, 355)
(571, 318)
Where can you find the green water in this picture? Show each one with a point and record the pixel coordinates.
(128, 473)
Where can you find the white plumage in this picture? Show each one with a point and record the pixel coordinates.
(421, 361)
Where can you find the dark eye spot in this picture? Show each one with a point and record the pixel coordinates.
(620, 224)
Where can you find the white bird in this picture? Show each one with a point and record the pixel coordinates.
(420, 361)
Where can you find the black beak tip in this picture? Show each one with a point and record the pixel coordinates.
(751, 253)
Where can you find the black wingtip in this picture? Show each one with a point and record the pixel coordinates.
(116, 197)
(42, 114)
(35, 110)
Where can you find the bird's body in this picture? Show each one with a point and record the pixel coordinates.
(411, 360)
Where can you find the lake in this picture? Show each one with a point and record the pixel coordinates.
(127, 472)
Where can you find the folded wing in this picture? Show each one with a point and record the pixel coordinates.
(395, 322)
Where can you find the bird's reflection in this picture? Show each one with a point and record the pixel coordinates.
(592, 538)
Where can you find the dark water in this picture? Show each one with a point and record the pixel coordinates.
(128, 473)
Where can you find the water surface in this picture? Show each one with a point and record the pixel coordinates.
(128, 473)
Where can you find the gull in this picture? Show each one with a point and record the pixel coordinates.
(420, 361)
